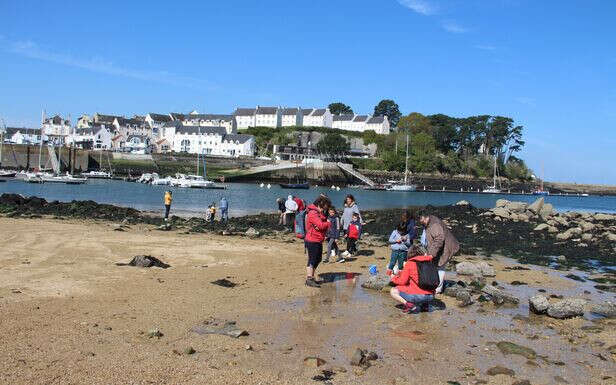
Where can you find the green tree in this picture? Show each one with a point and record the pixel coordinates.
(444, 131)
(393, 161)
(389, 108)
(415, 123)
(423, 153)
(333, 144)
(451, 164)
(339, 108)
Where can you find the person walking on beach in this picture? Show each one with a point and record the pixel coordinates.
(350, 208)
(290, 209)
(282, 220)
(316, 228)
(400, 243)
(224, 209)
(168, 200)
(442, 245)
(332, 235)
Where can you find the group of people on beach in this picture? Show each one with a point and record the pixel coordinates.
(210, 212)
(417, 264)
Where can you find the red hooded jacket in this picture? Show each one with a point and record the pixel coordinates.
(408, 279)
(316, 225)
(300, 203)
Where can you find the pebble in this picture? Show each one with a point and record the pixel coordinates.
(496, 370)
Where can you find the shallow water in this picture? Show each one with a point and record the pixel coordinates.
(248, 198)
(334, 320)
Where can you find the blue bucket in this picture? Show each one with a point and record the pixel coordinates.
(373, 270)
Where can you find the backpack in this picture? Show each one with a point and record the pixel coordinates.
(428, 275)
(300, 224)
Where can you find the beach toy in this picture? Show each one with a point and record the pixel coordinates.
(373, 270)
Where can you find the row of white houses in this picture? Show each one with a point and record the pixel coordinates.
(308, 117)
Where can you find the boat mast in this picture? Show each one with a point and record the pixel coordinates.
(406, 160)
(2, 129)
(41, 140)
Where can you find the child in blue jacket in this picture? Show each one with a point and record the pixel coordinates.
(332, 235)
(400, 243)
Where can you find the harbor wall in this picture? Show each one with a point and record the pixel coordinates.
(26, 157)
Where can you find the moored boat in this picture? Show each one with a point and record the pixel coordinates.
(296, 186)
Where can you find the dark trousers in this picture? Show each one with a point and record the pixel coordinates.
(167, 208)
(352, 245)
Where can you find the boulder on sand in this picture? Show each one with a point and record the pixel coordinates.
(546, 211)
(567, 308)
(486, 270)
(538, 304)
(605, 309)
(376, 282)
(501, 203)
(501, 212)
(541, 227)
(516, 207)
(499, 296)
(467, 268)
(536, 206)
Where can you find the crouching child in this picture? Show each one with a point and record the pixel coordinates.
(416, 283)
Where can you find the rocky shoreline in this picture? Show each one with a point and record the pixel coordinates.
(532, 233)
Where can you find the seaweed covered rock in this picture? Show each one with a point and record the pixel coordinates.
(567, 308)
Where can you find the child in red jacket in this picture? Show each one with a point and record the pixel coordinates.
(353, 234)
(316, 228)
(407, 290)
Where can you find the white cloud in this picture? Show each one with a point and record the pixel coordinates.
(453, 27)
(32, 50)
(420, 6)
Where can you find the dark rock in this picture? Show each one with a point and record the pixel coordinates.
(145, 261)
(154, 333)
(496, 370)
(222, 327)
(511, 348)
(575, 277)
(224, 283)
(464, 298)
(189, 350)
(358, 358)
(499, 296)
(314, 362)
(518, 283)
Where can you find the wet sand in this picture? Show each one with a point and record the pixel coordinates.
(69, 315)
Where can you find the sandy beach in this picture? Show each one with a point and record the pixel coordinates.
(69, 315)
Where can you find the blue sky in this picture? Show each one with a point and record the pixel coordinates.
(550, 65)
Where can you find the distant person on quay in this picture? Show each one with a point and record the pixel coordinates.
(317, 226)
(224, 209)
(168, 200)
(441, 243)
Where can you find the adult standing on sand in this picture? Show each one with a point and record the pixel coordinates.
(224, 209)
(168, 200)
(316, 228)
(282, 220)
(350, 207)
(442, 245)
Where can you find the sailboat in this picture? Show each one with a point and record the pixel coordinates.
(540, 190)
(404, 187)
(100, 174)
(493, 189)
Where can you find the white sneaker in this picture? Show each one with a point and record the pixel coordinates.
(346, 254)
(333, 253)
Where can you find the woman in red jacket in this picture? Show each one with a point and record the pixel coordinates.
(407, 290)
(316, 228)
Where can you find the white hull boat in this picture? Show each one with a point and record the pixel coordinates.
(96, 175)
(402, 187)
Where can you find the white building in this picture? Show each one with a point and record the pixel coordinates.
(23, 135)
(290, 117)
(235, 145)
(211, 120)
(157, 120)
(57, 126)
(267, 117)
(97, 137)
(198, 140)
(131, 127)
(359, 123)
(343, 122)
(319, 117)
(244, 117)
(84, 121)
(138, 144)
(380, 124)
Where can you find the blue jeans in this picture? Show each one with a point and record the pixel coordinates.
(399, 257)
(417, 299)
(224, 214)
